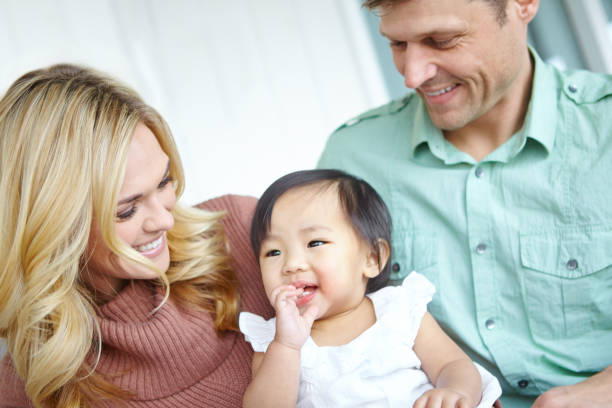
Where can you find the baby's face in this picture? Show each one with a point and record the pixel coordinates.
(312, 245)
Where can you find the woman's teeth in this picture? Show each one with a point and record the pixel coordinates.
(150, 245)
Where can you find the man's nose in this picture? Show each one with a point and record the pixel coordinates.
(418, 66)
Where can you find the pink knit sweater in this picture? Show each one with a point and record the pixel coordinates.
(173, 358)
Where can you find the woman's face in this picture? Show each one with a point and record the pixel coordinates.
(143, 217)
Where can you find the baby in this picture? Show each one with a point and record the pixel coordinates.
(341, 338)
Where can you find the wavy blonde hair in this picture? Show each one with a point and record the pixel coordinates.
(64, 136)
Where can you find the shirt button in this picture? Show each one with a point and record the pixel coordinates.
(479, 172)
(395, 267)
(480, 248)
(572, 264)
(523, 383)
(572, 88)
(490, 324)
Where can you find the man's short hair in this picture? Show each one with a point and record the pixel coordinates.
(499, 6)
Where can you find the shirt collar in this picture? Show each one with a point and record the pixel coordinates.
(539, 125)
(541, 118)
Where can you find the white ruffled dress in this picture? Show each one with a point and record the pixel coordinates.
(377, 369)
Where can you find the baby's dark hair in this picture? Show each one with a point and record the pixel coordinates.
(362, 205)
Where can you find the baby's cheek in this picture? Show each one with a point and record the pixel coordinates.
(268, 288)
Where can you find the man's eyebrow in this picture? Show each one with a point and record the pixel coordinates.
(138, 196)
(456, 28)
(387, 36)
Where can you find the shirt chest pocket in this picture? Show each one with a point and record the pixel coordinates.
(567, 289)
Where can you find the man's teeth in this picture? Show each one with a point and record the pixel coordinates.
(440, 92)
(150, 245)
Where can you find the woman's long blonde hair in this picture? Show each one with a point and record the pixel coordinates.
(64, 136)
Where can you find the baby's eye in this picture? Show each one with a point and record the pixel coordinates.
(315, 243)
(272, 252)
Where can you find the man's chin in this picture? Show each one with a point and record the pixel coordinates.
(448, 123)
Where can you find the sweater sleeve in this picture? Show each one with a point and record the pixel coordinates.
(237, 223)
(12, 388)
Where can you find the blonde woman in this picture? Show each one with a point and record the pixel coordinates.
(111, 293)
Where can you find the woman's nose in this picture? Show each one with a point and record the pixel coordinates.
(160, 216)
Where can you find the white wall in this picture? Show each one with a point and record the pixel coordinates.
(250, 88)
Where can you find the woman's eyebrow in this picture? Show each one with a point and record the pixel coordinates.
(130, 199)
(135, 197)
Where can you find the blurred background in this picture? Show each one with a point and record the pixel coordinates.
(252, 88)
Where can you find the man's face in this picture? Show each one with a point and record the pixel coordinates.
(458, 57)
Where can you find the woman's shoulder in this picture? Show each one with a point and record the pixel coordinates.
(235, 205)
(239, 211)
(237, 224)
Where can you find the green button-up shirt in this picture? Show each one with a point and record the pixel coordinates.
(519, 245)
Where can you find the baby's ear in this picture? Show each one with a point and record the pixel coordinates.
(376, 262)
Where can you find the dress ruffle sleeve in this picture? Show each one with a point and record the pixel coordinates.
(257, 331)
(401, 308)
(491, 390)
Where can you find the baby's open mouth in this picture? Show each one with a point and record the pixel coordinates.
(308, 290)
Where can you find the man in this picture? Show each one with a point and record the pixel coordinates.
(497, 173)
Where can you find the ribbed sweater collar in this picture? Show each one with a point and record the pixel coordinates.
(157, 354)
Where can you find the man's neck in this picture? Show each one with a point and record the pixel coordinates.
(482, 136)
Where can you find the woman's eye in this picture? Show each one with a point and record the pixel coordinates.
(315, 243)
(127, 214)
(165, 182)
(272, 252)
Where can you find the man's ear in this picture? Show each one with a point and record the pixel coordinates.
(376, 262)
(526, 9)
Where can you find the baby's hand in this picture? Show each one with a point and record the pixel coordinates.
(292, 328)
(443, 398)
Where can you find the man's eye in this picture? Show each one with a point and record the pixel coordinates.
(397, 44)
(443, 42)
(272, 252)
(315, 243)
(127, 214)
